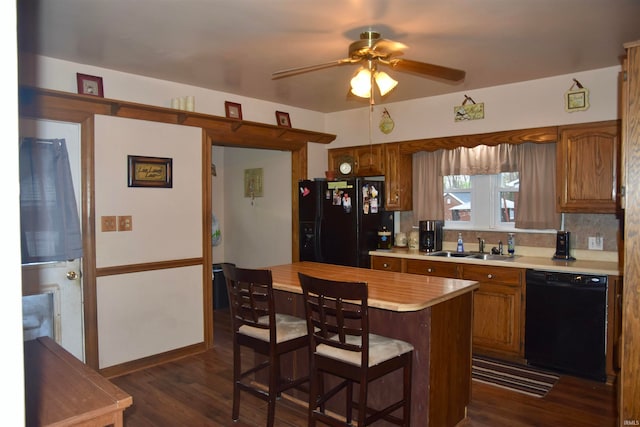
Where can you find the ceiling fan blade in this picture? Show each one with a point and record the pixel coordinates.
(389, 46)
(293, 71)
(427, 69)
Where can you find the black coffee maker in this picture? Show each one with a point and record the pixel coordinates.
(563, 246)
(431, 235)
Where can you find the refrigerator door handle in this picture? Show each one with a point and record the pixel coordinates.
(319, 256)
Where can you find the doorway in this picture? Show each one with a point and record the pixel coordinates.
(60, 281)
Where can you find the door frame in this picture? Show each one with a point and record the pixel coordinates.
(87, 175)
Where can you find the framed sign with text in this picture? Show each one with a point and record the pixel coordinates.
(150, 172)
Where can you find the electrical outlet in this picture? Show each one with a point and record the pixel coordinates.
(124, 223)
(596, 243)
(108, 223)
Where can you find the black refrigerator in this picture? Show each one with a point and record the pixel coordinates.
(340, 220)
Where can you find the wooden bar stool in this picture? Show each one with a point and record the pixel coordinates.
(256, 325)
(341, 346)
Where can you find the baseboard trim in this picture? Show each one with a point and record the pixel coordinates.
(156, 359)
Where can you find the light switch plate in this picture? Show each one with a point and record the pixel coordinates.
(125, 223)
(108, 223)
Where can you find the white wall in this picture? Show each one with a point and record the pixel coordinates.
(258, 235)
(143, 314)
(523, 105)
(60, 75)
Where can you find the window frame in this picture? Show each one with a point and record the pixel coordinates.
(485, 213)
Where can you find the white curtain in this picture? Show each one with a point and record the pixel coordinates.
(50, 227)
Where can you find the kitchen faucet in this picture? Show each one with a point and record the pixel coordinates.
(480, 245)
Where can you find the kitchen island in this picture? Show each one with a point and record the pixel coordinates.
(432, 313)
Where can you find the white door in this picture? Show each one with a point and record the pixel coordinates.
(61, 280)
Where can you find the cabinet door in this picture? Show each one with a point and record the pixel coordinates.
(432, 268)
(497, 309)
(587, 161)
(386, 263)
(369, 160)
(398, 179)
(339, 155)
(496, 318)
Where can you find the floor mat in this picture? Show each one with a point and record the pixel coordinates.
(523, 379)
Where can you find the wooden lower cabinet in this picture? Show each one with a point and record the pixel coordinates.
(498, 305)
(432, 268)
(498, 312)
(386, 263)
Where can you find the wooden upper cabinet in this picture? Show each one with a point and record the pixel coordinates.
(587, 167)
(375, 160)
(339, 155)
(369, 160)
(366, 160)
(398, 179)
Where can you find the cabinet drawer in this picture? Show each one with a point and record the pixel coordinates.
(483, 273)
(386, 263)
(432, 268)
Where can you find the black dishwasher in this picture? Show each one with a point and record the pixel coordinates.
(566, 323)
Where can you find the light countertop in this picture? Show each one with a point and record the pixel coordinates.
(585, 266)
(399, 292)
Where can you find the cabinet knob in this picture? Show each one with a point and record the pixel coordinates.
(385, 265)
(489, 276)
(429, 270)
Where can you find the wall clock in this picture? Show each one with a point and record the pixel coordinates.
(345, 165)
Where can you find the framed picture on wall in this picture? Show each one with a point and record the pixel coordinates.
(577, 100)
(283, 119)
(150, 172)
(89, 85)
(233, 110)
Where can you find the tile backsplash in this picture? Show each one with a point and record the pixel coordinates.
(581, 226)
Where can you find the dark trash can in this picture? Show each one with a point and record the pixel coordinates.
(220, 295)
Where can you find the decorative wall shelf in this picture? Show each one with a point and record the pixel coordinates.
(37, 102)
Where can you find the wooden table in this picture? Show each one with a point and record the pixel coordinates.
(432, 313)
(60, 390)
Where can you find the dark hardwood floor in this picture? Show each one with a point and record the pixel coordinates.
(197, 391)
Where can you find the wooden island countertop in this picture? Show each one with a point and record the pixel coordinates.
(434, 314)
(387, 290)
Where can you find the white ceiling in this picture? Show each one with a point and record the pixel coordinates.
(235, 45)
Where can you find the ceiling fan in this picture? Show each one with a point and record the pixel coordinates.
(374, 50)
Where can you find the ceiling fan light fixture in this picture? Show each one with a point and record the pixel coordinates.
(385, 82)
(361, 83)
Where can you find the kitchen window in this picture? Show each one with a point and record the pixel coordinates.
(487, 187)
(480, 201)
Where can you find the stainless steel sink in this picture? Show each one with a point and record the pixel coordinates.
(451, 254)
(473, 255)
(493, 257)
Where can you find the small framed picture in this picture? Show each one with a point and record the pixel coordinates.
(233, 110)
(150, 172)
(283, 119)
(577, 100)
(90, 85)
